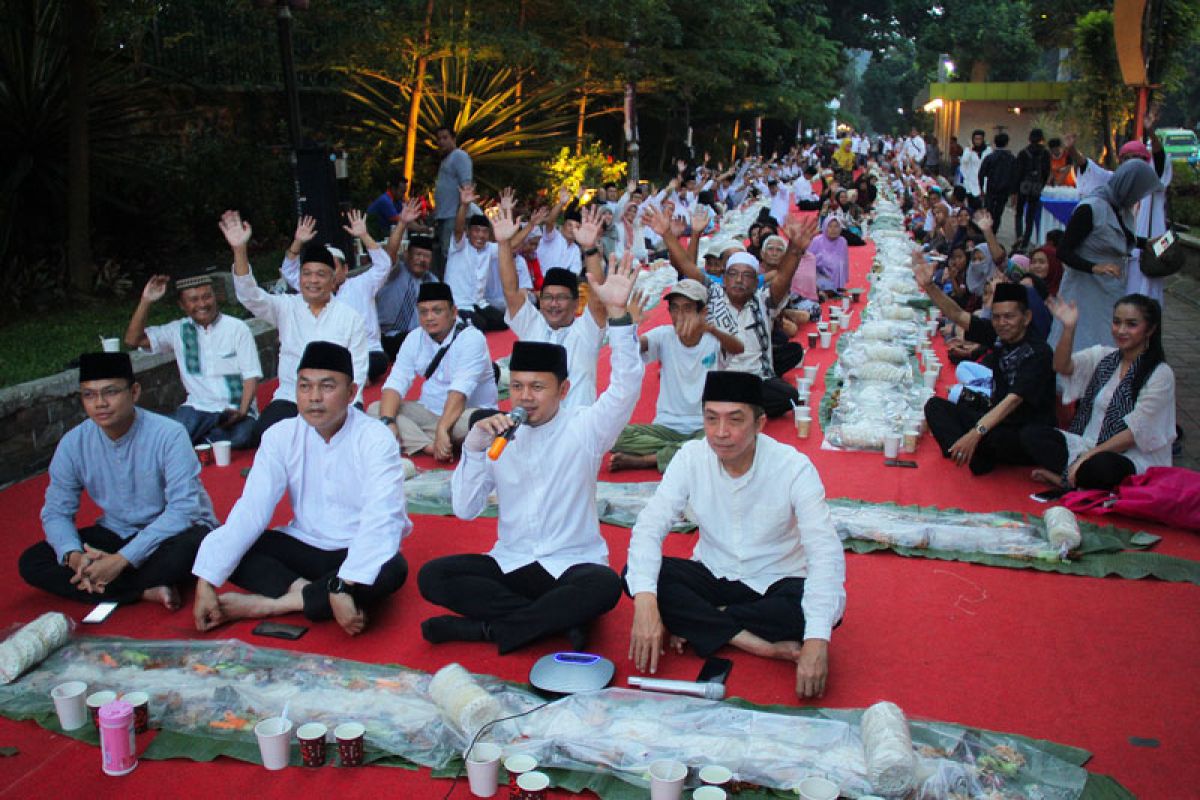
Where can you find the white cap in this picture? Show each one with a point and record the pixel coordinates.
(336, 252)
(742, 258)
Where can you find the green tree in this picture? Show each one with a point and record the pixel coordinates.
(1099, 98)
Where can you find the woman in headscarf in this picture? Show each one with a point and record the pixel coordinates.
(1044, 263)
(843, 159)
(1125, 421)
(1096, 246)
(833, 257)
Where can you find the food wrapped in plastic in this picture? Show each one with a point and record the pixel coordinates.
(464, 703)
(1062, 529)
(887, 745)
(29, 645)
(883, 373)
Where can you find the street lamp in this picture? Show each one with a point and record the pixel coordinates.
(833, 105)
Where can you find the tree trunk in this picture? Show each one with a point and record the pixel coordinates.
(81, 22)
(581, 116)
(979, 71)
(418, 92)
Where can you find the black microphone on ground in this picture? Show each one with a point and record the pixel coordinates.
(518, 416)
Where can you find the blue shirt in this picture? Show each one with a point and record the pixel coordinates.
(454, 171)
(386, 210)
(147, 484)
(396, 301)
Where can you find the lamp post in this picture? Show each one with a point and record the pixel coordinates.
(833, 105)
(283, 22)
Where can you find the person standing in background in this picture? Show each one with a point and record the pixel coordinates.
(454, 172)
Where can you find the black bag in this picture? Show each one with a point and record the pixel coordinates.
(1172, 259)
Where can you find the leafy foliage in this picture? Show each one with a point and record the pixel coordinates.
(594, 167)
(1099, 97)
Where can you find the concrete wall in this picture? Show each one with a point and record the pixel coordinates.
(35, 415)
(989, 116)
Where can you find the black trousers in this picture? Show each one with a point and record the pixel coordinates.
(485, 318)
(377, 364)
(949, 421)
(995, 205)
(778, 396)
(170, 564)
(277, 560)
(276, 411)
(1029, 208)
(786, 356)
(523, 605)
(1047, 447)
(391, 343)
(708, 611)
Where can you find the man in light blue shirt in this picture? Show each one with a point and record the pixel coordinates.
(454, 172)
(140, 469)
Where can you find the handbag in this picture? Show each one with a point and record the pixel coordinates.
(1154, 265)
(1168, 495)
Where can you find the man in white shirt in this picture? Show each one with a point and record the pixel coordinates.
(359, 291)
(312, 315)
(548, 572)
(217, 358)
(914, 148)
(453, 359)
(687, 350)
(767, 574)
(341, 552)
(972, 157)
(554, 320)
(468, 264)
(558, 247)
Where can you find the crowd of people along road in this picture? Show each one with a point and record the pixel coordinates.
(767, 572)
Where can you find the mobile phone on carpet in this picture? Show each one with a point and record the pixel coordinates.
(279, 630)
(1048, 495)
(898, 462)
(100, 612)
(715, 670)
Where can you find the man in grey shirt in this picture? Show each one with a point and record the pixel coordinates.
(455, 171)
(140, 469)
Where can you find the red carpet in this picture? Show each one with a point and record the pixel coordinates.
(1083, 661)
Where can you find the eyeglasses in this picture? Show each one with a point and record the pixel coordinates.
(556, 298)
(740, 275)
(108, 393)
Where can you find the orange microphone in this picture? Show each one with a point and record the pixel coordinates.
(518, 416)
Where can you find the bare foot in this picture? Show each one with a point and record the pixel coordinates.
(786, 650)
(351, 618)
(622, 461)
(167, 595)
(678, 643)
(1046, 476)
(235, 605)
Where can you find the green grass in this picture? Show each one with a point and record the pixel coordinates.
(35, 346)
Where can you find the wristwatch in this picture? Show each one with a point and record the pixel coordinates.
(338, 586)
(591, 251)
(388, 420)
(981, 429)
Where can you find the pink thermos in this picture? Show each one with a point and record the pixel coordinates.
(117, 749)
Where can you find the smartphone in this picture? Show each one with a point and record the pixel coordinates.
(897, 462)
(715, 670)
(279, 630)
(1048, 495)
(1161, 244)
(100, 612)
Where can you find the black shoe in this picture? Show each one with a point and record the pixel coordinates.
(450, 628)
(578, 637)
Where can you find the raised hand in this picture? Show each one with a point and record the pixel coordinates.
(539, 216)
(502, 223)
(237, 233)
(306, 229)
(358, 224)
(678, 225)
(410, 213)
(699, 220)
(466, 194)
(637, 306)
(1065, 312)
(589, 227)
(564, 196)
(508, 198)
(156, 287)
(983, 219)
(802, 232)
(656, 220)
(614, 292)
(922, 270)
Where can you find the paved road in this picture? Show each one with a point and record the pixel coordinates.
(1181, 340)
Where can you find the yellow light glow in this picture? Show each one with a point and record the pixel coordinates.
(933, 105)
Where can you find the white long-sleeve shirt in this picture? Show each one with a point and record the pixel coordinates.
(337, 322)
(969, 166)
(467, 272)
(358, 291)
(545, 480)
(582, 339)
(466, 368)
(769, 524)
(555, 251)
(347, 493)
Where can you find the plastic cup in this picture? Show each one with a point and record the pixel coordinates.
(715, 775)
(312, 736)
(204, 453)
(826, 338)
(141, 710)
(845, 304)
(222, 453)
(97, 699)
(911, 437)
(483, 769)
(274, 741)
(817, 789)
(822, 327)
(533, 785)
(834, 324)
(855, 295)
(666, 779)
(891, 445)
(810, 373)
(709, 793)
(70, 704)
(349, 737)
(803, 386)
(803, 422)
(516, 766)
(812, 339)
(110, 345)
(931, 377)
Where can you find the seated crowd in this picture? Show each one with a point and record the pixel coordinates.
(767, 572)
